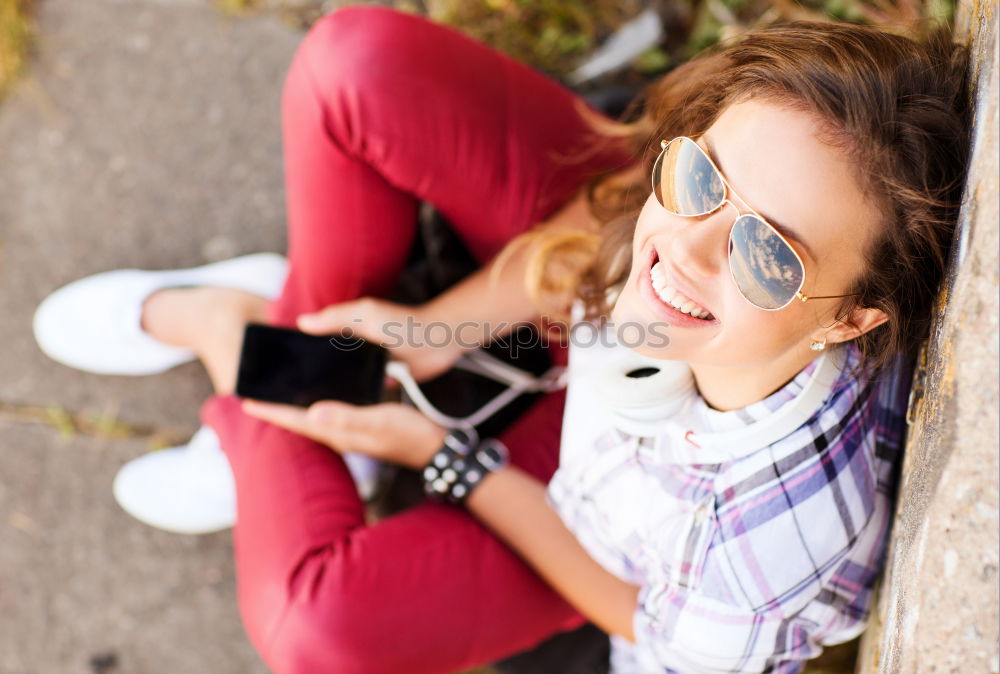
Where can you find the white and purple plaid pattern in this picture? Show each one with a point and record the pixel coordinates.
(753, 564)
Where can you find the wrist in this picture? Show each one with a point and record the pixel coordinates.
(461, 335)
(474, 500)
(428, 445)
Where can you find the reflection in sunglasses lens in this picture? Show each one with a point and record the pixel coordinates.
(765, 269)
(684, 180)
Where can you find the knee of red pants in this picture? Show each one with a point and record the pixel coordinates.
(358, 57)
(295, 635)
(371, 66)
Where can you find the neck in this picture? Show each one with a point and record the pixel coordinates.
(728, 388)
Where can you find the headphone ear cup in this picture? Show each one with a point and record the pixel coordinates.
(637, 389)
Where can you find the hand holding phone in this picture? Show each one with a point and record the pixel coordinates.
(288, 366)
(401, 328)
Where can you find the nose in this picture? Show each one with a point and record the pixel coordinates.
(700, 245)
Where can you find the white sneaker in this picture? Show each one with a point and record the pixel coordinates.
(190, 489)
(94, 324)
(185, 490)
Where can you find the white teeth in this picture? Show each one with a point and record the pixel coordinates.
(657, 275)
(672, 296)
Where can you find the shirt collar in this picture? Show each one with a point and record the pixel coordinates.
(697, 434)
(716, 420)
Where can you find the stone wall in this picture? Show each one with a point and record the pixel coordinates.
(937, 606)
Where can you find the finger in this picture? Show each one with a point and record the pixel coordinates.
(330, 413)
(336, 416)
(335, 318)
(287, 416)
(323, 322)
(349, 428)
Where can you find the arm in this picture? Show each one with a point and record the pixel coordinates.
(512, 504)
(493, 300)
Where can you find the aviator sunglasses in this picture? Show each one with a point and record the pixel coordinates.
(767, 270)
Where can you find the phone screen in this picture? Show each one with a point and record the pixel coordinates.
(287, 366)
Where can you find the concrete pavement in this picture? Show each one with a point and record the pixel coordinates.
(146, 134)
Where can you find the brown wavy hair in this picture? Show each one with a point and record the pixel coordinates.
(899, 106)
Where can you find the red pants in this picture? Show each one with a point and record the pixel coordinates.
(380, 110)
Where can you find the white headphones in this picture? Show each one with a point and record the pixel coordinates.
(652, 397)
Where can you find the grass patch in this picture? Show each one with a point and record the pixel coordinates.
(555, 35)
(237, 6)
(549, 34)
(16, 33)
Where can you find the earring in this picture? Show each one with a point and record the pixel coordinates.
(818, 346)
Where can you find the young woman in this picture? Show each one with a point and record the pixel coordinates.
(783, 210)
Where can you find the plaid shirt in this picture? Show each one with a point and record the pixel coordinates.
(750, 564)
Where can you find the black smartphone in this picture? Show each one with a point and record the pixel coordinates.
(282, 365)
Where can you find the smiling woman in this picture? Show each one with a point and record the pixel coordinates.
(856, 165)
(855, 142)
(716, 501)
(749, 276)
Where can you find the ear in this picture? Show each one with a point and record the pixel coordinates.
(860, 321)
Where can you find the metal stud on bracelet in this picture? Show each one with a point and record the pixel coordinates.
(459, 466)
(462, 440)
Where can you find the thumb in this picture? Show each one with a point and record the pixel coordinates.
(327, 412)
(345, 317)
(322, 321)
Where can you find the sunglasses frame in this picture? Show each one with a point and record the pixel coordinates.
(725, 199)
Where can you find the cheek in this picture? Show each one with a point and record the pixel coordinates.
(747, 335)
(652, 219)
(652, 222)
(645, 226)
(752, 335)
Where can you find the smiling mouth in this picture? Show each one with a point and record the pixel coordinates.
(672, 296)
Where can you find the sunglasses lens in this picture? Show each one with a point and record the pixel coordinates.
(685, 181)
(766, 270)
